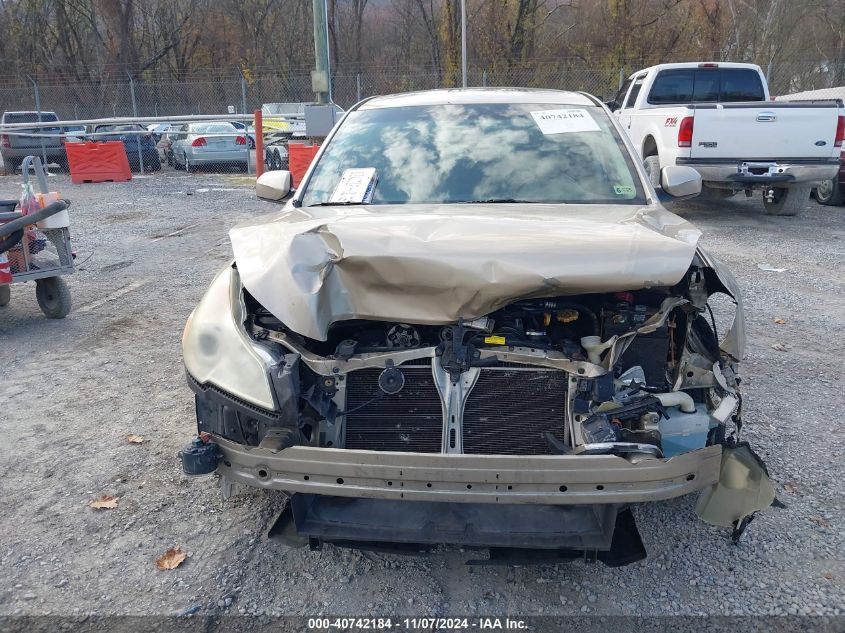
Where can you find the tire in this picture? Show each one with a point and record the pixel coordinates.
(155, 164)
(250, 142)
(5, 294)
(712, 193)
(830, 193)
(169, 156)
(652, 168)
(243, 168)
(12, 165)
(787, 201)
(53, 297)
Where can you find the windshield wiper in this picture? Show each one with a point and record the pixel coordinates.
(337, 204)
(492, 201)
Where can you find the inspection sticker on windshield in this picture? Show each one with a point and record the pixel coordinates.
(356, 186)
(565, 121)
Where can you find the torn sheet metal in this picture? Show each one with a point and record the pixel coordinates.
(433, 264)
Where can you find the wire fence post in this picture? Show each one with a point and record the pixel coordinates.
(484, 78)
(358, 86)
(246, 130)
(135, 114)
(621, 76)
(243, 91)
(769, 75)
(38, 110)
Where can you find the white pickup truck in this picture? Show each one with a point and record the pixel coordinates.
(719, 119)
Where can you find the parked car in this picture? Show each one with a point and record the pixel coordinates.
(832, 192)
(718, 118)
(440, 341)
(74, 133)
(205, 144)
(132, 136)
(14, 147)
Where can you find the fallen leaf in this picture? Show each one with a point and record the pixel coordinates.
(135, 439)
(779, 347)
(780, 321)
(103, 502)
(171, 559)
(828, 575)
(790, 487)
(820, 521)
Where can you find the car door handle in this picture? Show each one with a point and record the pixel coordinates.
(766, 117)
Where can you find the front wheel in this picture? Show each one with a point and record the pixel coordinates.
(5, 294)
(652, 168)
(830, 193)
(53, 297)
(787, 201)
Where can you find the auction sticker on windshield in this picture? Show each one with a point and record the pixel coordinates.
(565, 121)
(355, 186)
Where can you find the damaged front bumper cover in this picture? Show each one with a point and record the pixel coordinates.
(460, 478)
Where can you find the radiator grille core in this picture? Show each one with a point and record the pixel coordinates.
(411, 420)
(508, 411)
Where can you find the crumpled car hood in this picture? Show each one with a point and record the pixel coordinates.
(433, 264)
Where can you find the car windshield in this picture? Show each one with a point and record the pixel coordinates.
(29, 117)
(282, 108)
(213, 128)
(120, 128)
(544, 153)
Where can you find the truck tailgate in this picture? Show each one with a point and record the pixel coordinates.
(773, 130)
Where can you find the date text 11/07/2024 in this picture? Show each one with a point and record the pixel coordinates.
(417, 624)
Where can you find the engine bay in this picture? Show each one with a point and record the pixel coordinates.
(630, 373)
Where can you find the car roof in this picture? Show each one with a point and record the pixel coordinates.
(478, 95)
(683, 65)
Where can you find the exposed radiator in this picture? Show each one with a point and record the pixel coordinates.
(508, 410)
(506, 413)
(411, 420)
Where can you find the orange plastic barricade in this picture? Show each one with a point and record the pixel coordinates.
(97, 162)
(300, 156)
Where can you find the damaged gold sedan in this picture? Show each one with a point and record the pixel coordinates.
(474, 323)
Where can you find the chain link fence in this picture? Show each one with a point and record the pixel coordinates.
(215, 93)
(228, 91)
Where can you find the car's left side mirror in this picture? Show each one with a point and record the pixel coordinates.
(273, 185)
(679, 181)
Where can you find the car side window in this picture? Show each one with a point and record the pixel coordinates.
(635, 92)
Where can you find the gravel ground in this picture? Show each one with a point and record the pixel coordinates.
(71, 391)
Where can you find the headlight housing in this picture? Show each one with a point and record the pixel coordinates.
(216, 348)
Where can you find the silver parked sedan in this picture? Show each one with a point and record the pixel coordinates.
(204, 144)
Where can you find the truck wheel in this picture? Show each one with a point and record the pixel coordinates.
(787, 201)
(5, 294)
(652, 168)
(713, 193)
(830, 193)
(53, 297)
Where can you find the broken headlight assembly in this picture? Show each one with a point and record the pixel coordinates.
(217, 350)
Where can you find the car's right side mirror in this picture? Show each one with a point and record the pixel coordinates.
(273, 185)
(680, 181)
